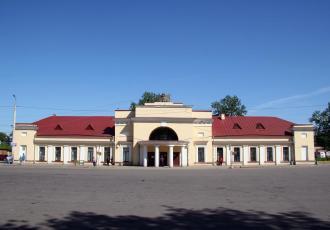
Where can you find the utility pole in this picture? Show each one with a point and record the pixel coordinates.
(14, 122)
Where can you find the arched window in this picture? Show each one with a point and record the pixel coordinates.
(163, 134)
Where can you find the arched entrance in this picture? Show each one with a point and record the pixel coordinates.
(163, 134)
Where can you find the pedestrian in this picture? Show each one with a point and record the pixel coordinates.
(221, 161)
(108, 161)
(94, 161)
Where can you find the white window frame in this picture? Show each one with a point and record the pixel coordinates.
(204, 147)
(129, 153)
(71, 152)
(61, 151)
(282, 153)
(42, 146)
(273, 151)
(232, 157)
(257, 154)
(223, 152)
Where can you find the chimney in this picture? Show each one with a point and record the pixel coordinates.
(222, 116)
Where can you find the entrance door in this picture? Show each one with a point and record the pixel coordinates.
(163, 159)
(304, 153)
(176, 159)
(151, 159)
(219, 155)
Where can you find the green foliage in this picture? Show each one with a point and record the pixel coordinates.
(149, 97)
(4, 138)
(321, 121)
(230, 106)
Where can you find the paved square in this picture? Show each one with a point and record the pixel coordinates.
(194, 198)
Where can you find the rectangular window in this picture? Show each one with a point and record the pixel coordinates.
(107, 154)
(58, 153)
(126, 154)
(220, 154)
(90, 154)
(42, 152)
(24, 134)
(74, 154)
(285, 153)
(270, 154)
(253, 154)
(304, 135)
(201, 154)
(237, 154)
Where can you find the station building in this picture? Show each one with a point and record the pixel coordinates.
(164, 134)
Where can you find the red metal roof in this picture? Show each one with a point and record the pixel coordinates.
(273, 126)
(97, 126)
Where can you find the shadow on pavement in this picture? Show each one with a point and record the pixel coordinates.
(181, 219)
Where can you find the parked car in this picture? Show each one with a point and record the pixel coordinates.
(3, 157)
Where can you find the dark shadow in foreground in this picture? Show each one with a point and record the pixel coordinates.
(181, 219)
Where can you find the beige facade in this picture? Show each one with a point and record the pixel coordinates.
(165, 134)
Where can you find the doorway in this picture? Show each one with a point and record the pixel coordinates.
(176, 159)
(151, 159)
(163, 159)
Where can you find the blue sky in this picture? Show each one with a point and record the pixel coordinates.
(91, 57)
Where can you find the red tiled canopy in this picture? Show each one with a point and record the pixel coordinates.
(98, 126)
(273, 126)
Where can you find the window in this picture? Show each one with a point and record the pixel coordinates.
(90, 154)
(200, 134)
(237, 126)
(74, 154)
(304, 135)
(285, 153)
(57, 153)
(42, 152)
(125, 154)
(270, 154)
(219, 154)
(24, 134)
(107, 154)
(89, 127)
(58, 127)
(201, 154)
(253, 154)
(237, 154)
(260, 126)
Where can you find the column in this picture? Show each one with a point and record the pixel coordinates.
(228, 155)
(145, 155)
(82, 153)
(277, 154)
(261, 155)
(170, 156)
(111, 152)
(36, 153)
(245, 154)
(66, 153)
(184, 156)
(50, 154)
(156, 156)
(290, 157)
(214, 156)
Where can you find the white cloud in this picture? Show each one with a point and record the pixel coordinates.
(293, 98)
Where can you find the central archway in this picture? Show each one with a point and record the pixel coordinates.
(163, 134)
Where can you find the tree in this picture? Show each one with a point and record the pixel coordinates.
(230, 106)
(321, 121)
(149, 97)
(4, 139)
